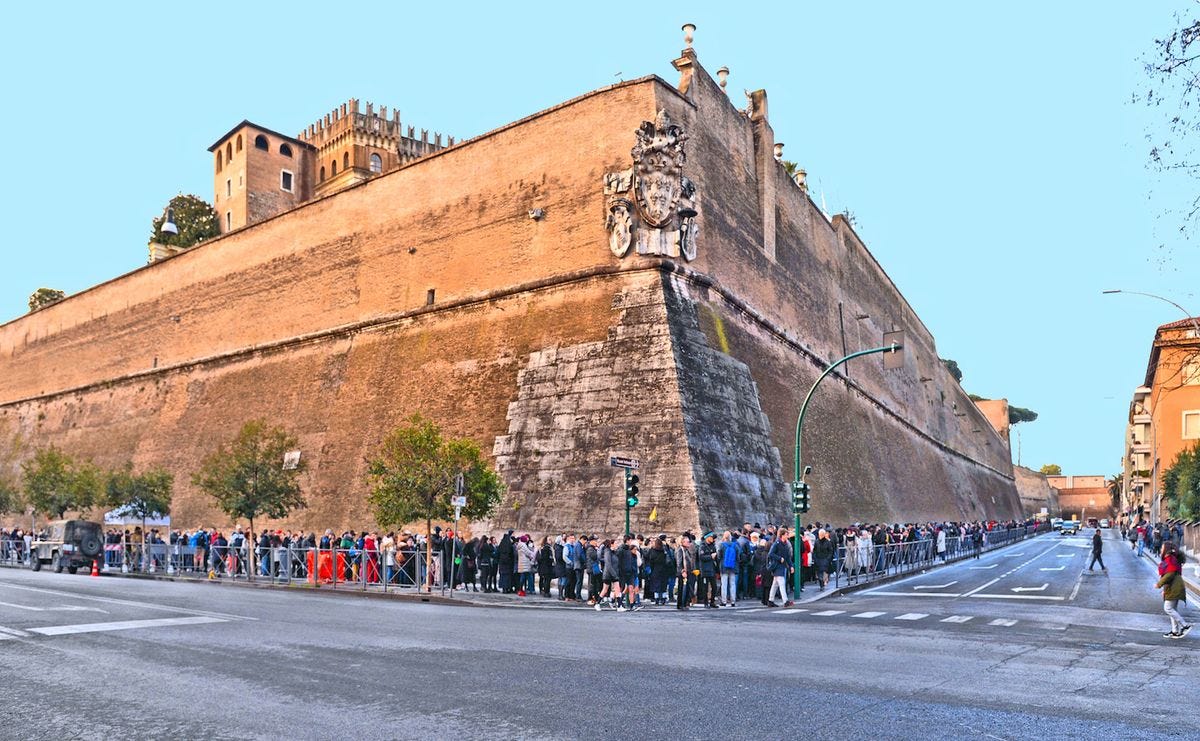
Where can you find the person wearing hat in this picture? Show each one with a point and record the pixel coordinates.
(706, 559)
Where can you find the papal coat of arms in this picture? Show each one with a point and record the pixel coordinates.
(664, 200)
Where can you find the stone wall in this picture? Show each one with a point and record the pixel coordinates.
(1035, 492)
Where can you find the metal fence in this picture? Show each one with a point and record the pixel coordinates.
(336, 568)
(857, 565)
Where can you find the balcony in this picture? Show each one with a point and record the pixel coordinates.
(1141, 418)
(1140, 446)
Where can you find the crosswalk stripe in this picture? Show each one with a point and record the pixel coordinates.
(790, 611)
(756, 609)
(13, 632)
(868, 614)
(912, 616)
(59, 630)
(957, 619)
(1003, 623)
(828, 613)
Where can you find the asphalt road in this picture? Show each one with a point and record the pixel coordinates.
(108, 657)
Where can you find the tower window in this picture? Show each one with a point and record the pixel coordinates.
(260, 142)
(322, 173)
(376, 163)
(429, 296)
(229, 152)
(285, 180)
(332, 168)
(218, 160)
(285, 150)
(239, 143)
(228, 220)
(346, 161)
(228, 188)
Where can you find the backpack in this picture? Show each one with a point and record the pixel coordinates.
(670, 559)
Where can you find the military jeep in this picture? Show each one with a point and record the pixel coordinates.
(68, 545)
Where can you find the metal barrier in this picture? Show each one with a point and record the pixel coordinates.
(13, 553)
(858, 565)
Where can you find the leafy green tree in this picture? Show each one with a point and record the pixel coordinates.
(1051, 469)
(43, 297)
(1181, 484)
(1017, 415)
(140, 495)
(11, 499)
(412, 477)
(248, 478)
(54, 482)
(195, 219)
(10, 495)
(952, 366)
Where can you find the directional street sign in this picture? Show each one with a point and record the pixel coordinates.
(620, 461)
(458, 501)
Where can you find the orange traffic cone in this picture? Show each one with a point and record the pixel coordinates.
(95, 567)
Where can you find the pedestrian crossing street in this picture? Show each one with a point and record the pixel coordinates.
(911, 617)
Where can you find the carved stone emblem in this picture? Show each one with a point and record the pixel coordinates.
(659, 212)
(658, 168)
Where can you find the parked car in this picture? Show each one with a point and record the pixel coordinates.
(1093, 522)
(1105, 523)
(68, 545)
(1056, 523)
(1069, 527)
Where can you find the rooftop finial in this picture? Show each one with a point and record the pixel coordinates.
(723, 77)
(689, 34)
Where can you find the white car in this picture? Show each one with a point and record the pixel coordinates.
(1105, 523)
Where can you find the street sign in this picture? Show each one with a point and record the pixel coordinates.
(458, 501)
(458, 485)
(291, 460)
(620, 461)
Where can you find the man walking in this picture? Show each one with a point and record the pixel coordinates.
(1097, 547)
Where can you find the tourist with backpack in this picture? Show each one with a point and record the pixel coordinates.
(729, 557)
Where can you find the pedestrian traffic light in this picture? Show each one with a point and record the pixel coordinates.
(631, 489)
(799, 497)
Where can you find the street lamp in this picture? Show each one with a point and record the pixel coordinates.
(1153, 427)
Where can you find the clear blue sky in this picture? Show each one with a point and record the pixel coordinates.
(990, 153)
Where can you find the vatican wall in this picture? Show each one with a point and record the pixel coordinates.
(434, 289)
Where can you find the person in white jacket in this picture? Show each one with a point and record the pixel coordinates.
(941, 543)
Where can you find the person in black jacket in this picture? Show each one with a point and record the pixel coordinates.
(656, 558)
(1097, 547)
(487, 563)
(545, 563)
(506, 556)
(707, 557)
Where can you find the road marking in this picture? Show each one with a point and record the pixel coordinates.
(914, 594)
(985, 586)
(980, 568)
(1031, 589)
(1010, 555)
(1075, 591)
(1066, 555)
(756, 609)
(12, 632)
(132, 603)
(828, 613)
(64, 608)
(1016, 596)
(791, 611)
(868, 614)
(1052, 568)
(957, 619)
(912, 616)
(936, 586)
(60, 630)
(1003, 623)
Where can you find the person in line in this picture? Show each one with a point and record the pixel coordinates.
(685, 563)
(1097, 547)
(729, 557)
(780, 558)
(1170, 580)
(822, 558)
(545, 566)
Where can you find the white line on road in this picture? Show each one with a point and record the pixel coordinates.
(868, 614)
(936, 586)
(60, 630)
(12, 632)
(980, 568)
(790, 611)
(1031, 589)
(985, 586)
(1016, 596)
(132, 603)
(912, 616)
(828, 613)
(957, 619)
(1052, 568)
(64, 608)
(1009, 555)
(1066, 555)
(1075, 591)
(914, 594)
(1003, 623)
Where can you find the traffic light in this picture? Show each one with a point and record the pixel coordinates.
(800, 502)
(631, 489)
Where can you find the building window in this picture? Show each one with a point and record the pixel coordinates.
(1191, 425)
(332, 168)
(218, 160)
(285, 150)
(376, 163)
(322, 174)
(229, 152)
(1191, 371)
(260, 142)
(239, 143)
(228, 220)
(228, 188)
(346, 161)
(285, 180)
(429, 297)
